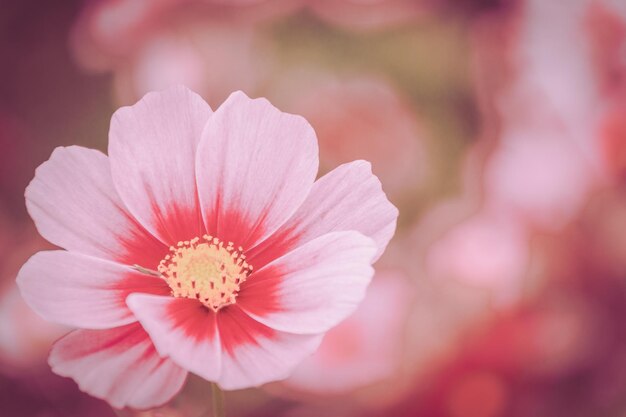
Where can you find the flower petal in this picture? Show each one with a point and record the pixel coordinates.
(152, 147)
(118, 365)
(255, 354)
(82, 291)
(255, 167)
(182, 329)
(74, 204)
(242, 353)
(312, 288)
(348, 198)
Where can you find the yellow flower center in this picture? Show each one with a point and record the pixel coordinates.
(205, 269)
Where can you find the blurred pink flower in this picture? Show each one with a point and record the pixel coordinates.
(368, 14)
(466, 241)
(361, 118)
(547, 158)
(486, 250)
(109, 32)
(112, 29)
(366, 348)
(557, 140)
(210, 57)
(180, 184)
(537, 176)
(211, 46)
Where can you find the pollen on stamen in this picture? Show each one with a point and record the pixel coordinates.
(206, 270)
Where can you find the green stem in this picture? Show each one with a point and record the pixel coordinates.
(217, 399)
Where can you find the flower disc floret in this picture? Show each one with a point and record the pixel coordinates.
(205, 269)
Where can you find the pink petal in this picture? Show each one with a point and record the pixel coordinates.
(118, 365)
(246, 353)
(312, 288)
(255, 167)
(255, 354)
(182, 329)
(152, 147)
(82, 291)
(74, 204)
(348, 198)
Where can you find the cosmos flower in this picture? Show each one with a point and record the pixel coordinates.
(201, 244)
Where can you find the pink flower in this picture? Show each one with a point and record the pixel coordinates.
(201, 243)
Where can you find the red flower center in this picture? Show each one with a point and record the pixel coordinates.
(205, 269)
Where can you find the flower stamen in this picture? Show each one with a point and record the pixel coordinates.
(205, 269)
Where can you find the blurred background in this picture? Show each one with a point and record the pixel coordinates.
(498, 127)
